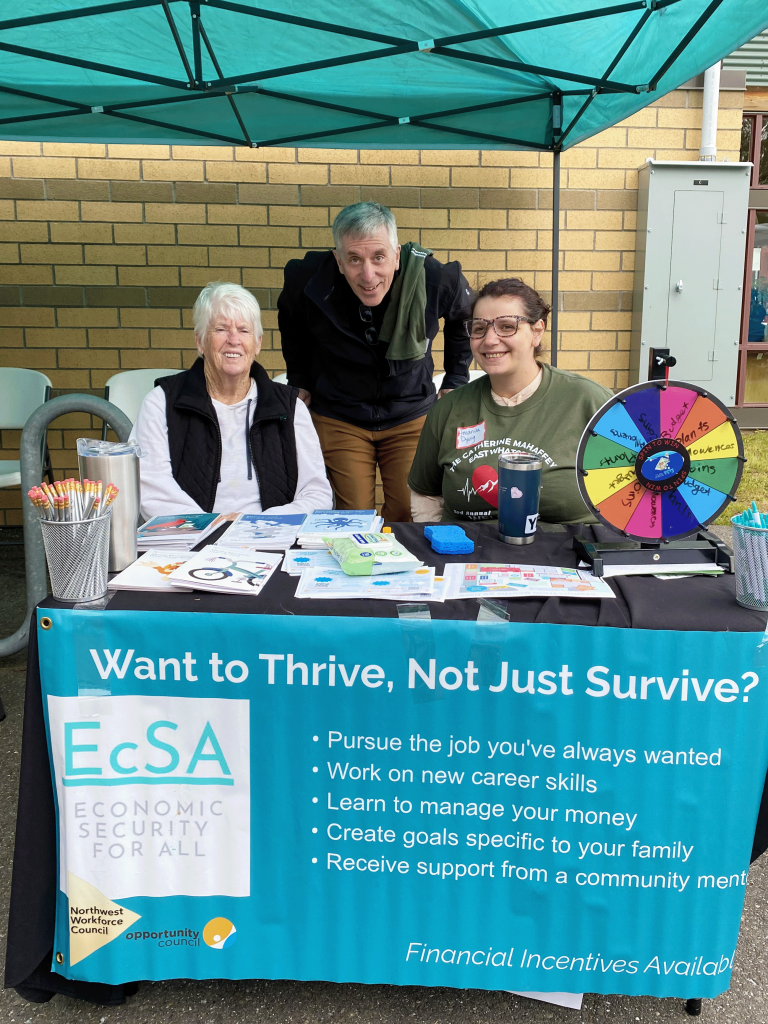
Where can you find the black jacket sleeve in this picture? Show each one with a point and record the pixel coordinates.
(456, 307)
(294, 338)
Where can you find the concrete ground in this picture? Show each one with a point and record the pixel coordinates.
(289, 1002)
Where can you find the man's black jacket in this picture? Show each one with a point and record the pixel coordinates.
(326, 353)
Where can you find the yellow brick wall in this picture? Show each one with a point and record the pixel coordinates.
(102, 248)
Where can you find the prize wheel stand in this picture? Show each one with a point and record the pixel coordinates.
(658, 462)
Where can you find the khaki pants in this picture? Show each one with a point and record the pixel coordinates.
(351, 455)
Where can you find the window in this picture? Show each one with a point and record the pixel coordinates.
(754, 147)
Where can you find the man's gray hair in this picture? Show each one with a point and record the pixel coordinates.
(222, 298)
(363, 220)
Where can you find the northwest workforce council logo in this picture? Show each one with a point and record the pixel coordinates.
(219, 933)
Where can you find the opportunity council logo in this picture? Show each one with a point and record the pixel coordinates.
(219, 933)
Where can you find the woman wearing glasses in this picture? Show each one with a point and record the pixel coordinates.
(520, 404)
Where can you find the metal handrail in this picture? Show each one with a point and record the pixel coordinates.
(31, 475)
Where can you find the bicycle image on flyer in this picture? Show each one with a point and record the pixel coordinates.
(227, 571)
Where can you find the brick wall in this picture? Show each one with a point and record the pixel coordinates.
(104, 248)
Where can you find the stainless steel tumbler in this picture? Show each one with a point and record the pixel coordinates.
(519, 486)
(116, 463)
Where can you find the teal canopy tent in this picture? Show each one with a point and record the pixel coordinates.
(445, 74)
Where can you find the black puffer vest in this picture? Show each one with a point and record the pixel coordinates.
(194, 439)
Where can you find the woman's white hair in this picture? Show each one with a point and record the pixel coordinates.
(221, 298)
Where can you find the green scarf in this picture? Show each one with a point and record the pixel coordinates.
(404, 325)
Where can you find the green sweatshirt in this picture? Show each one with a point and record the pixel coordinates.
(465, 432)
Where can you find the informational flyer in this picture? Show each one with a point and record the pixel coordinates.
(485, 804)
(335, 585)
(496, 579)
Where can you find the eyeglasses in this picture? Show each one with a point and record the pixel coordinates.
(366, 315)
(505, 326)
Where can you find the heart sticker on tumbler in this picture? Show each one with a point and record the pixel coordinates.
(485, 480)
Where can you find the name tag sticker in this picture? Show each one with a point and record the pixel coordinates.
(467, 436)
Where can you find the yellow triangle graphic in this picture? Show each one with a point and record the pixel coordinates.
(94, 920)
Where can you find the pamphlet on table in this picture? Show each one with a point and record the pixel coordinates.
(328, 523)
(227, 571)
(258, 531)
(297, 560)
(495, 579)
(151, 571)
(184, 530)
(335, 585)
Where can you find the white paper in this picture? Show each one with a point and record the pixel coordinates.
(336, 585)
(262, 532)
(696, 568)
(295, 562)
(227, 570)
(151, 571)
(496, 579)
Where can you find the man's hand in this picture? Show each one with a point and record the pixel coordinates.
(305, 396)
(444, 391)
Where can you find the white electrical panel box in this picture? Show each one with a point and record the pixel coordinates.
(689, 271)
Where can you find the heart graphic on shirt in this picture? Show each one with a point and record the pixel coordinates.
(485, 480)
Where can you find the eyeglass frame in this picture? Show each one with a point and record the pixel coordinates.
(492, 323)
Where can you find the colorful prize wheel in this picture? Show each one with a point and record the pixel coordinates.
(658, 461)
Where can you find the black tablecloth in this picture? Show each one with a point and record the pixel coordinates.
(695, 603)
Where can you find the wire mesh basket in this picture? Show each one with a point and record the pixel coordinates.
(78, 557)
(750, 551)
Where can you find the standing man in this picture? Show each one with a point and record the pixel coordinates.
(357, 325)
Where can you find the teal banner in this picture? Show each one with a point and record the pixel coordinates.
(481, 805)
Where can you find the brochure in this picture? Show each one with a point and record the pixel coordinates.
(227, 571)
(335, 585)
(495, 579)
(150, 572)
(297, 560)
(259, 531)
(333, 523)
(184, 530)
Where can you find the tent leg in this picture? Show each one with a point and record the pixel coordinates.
(555, 252)
(31, 474)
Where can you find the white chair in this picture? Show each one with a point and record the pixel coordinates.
(127, 390)
(21, 392)
(281, 378)
(437, 380)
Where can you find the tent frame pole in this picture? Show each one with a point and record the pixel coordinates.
(555, 253)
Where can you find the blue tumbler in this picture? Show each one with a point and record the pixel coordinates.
(519, 486)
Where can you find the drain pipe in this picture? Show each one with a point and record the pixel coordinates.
(709, 104)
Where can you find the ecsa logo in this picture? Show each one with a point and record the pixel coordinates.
(663, 465)
(219, 933)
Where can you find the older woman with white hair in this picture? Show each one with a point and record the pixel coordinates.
(222, 436)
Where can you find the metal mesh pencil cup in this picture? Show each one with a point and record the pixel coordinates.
(78, 557)
(750, 550)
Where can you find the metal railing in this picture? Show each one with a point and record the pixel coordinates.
(31, 474)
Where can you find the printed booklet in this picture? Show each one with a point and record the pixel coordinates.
(150, 572)
(227, 570)
(182, 531)
(330, 523)
(496, 579)
(258, 531)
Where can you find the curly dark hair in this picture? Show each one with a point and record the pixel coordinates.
(535, 307)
